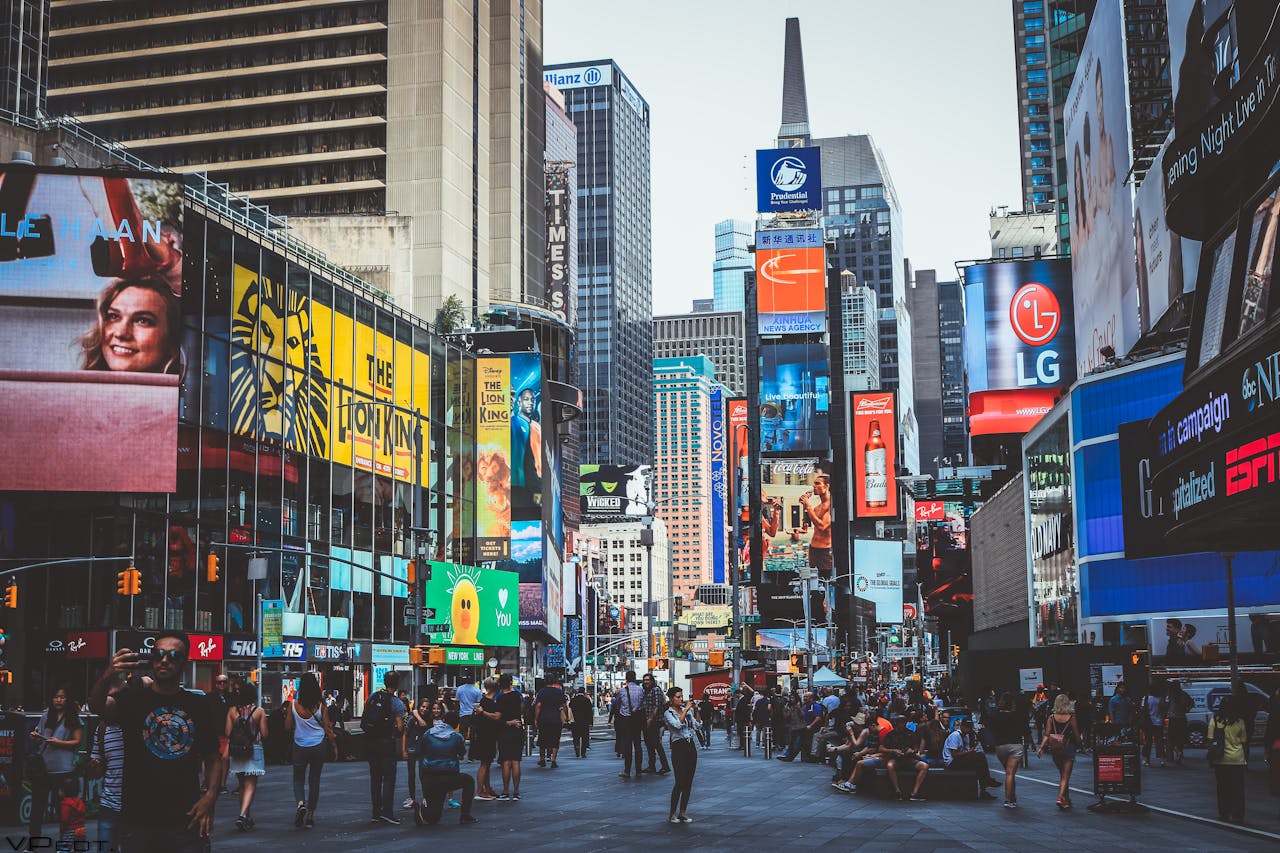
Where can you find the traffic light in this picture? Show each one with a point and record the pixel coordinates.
(254, 675)
(411, 573)
(129, 581)
(635, 644)
(211, 568)
(955, 654)
(436, 656)
(415, 655)
(679, 606)
(11, 595)
(122, 582)
(715, 658)
(665, 651)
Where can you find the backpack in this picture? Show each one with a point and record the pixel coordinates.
(376, 720)
(240, 742)
(1218, 748)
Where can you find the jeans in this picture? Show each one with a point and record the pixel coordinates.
(308, 761)
(976, 762)
(794, 740)
(706, 731)
(581, 738)
(653, 740)
(1230, 778)
(107, 820)
(632, 731)
(164, 839)
(384, 757)
(436, 787)
(44, 793)
(684, 756)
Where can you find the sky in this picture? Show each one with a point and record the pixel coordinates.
(932, 81)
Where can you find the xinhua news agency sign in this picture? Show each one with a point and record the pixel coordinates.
(788, 179)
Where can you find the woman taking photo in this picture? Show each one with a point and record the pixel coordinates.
(246, 729)
(680, 720)
(55, 740)
(305, 718)
(1229, 754)
(1061, 739)
(415, 726)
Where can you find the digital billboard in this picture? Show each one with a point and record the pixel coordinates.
(719, 487)
(1055, 584)
(613, 491)
(874, 449)
(788, 179)
(877, 576)
(527, 457)
(1098, 159)
(1166, 262)
(1018, 325)
(1200, 640)
(739, 460)
(795, 514)
(795, 401)
(791, 289)
(91, 331)
(480, 607)
(493, 457)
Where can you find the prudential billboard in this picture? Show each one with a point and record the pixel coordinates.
(788, 179)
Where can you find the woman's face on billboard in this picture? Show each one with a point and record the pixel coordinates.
(135, 331)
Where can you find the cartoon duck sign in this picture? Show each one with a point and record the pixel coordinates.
(482, 605)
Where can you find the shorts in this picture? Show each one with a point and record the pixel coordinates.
(934, 761)
(510, 744)
(873, 762)
(549, 735)
(820, 558)
(251, 765)
(484, 747)
(903, 764)
(1005, 751)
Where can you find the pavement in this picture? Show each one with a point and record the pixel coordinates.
(738, 803)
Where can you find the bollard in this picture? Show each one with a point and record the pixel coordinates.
(746, 742)
(768, 743)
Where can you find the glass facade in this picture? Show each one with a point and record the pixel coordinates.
(732, 263)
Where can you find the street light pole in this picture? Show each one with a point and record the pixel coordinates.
(1234, 647)
(646, 539)
(806, 578)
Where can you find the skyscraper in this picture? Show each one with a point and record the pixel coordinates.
(405, 137)
(937, 330)
(732, 263)
(615, 280)
(24, 48)
(682, 470)
(861, 334)
(1035, 106)
(955, 420)
(718, 335)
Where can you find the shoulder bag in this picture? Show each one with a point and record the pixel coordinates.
(1055, 742)
(1218, 748)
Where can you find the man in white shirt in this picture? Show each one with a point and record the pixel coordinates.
(961, 751)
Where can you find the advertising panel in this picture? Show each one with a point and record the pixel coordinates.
(1207, 639)
(944, 563)
(1144, 510)
(719, 488)
(795, 401)
(1166, 262)
(877, 576)
(791, 290)
(91, 332)
(739, 448)
(613, 491)
(874, 438)
(707, 617)
(1098, 160)
(579, 77)
(1005, 412)
(1055, 585)
(526, 435)
(480, 607)
(552, 579)
(559, 221)
(493, 457)
(795, 514)
(1018, 325)
(788, 179)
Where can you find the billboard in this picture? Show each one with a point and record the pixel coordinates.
(739, 458)
(527, 456)
(795, 514)
(1055, 584)
(1166, 262)
(91, 332)
(719, 487)
(788, 179)
(1101, 204)
(791, 290)
(579, 77)
(559, 221)
(877, 576)
(479, 607)
(1207, 639)
(795, 401)
(874, 442)
(1019, 331)
(613, 491)
(493, 457)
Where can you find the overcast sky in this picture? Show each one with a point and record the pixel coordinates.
(932, 81)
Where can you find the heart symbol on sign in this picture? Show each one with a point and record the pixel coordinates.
(502, 598)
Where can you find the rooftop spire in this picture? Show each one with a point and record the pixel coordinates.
(795, 103)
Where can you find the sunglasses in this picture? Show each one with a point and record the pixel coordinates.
(174, 655)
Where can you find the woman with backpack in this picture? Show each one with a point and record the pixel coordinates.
(246, 729)
(305, 719)
(1229, 755)
(1061, 740)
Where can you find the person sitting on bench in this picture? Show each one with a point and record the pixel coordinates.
(961, 751)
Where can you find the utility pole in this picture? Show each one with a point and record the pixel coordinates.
(1229, 557)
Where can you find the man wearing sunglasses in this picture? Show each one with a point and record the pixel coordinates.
(170, 743)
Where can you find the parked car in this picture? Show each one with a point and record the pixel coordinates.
(1206, 696)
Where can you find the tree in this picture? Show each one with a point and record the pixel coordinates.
(451, 315)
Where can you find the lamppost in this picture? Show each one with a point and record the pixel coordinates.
(646, 539)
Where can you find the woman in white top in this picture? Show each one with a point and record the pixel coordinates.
(680, 720)
(307, 719)
(246, 728)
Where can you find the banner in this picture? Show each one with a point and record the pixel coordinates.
(740, 485)
(795, 401)
(877, 576)
(474, 606)
(493, 458)
(559, 221)
(719, 487)
(272, 627)
(788, 179)
(91, 331)
(874, 448)
(613, 491)
(795, 515)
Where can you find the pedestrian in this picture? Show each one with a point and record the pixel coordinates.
(383, 725)
(484, 738)
(71, 811)
(961, 751)
(760, 716)
(1151, 717)
(1008, 729)
(1271, 743)
(581, 714)
(706, 717)
(439, 750)
(108, 751)
(222, 702)
(1120, 708)
(549, 709)
(246, 729)
(1229, 754)
(652, 707)
(511, 735)
(416, 723)
(742, 716)
(468, 695)
(55, 739)
(680, 720)
(306, 720)
(903, 750)
(615, 720)
(170, 743)
(1061, 740)
(1179, 705)
(630, 715)
(793, 721)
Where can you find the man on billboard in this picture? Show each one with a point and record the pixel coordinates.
(817, 506)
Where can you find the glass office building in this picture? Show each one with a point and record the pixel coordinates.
(732, 264)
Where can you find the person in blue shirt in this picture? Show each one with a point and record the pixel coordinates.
(468, 697)
(440, 752)
(1120, 708)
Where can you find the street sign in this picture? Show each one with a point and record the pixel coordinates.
(750, 619)
(730, 644)
(437, 628)
(898, 652)
(661, 624)
(937, 667)
(411, 618)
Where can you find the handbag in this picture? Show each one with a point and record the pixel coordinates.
(1218, 748)
(1055, 742)
(95, 763)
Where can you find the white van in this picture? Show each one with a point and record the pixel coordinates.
(1205, 698)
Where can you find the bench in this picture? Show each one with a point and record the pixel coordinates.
(939, 784)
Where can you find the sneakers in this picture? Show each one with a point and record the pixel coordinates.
(553, 763)
(243, 823)
(504, 797)
(466, 818)
(309, 823)
(302, 815)
(624, 775)
(664, 771)
(515, 797)
(673, 819)
(485, 798)
(1010, 804)
(407, 804)
(389, 820)
(542, 762)
(917, 798)
(685, 819)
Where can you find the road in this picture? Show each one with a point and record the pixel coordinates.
(738, 804)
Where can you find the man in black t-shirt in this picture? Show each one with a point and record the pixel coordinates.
(902, 751)
(484, 738)
(170, 742)
(510, 706)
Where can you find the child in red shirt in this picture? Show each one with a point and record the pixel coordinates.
(71, 816)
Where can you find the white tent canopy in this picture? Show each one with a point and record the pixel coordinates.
(826, 678)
